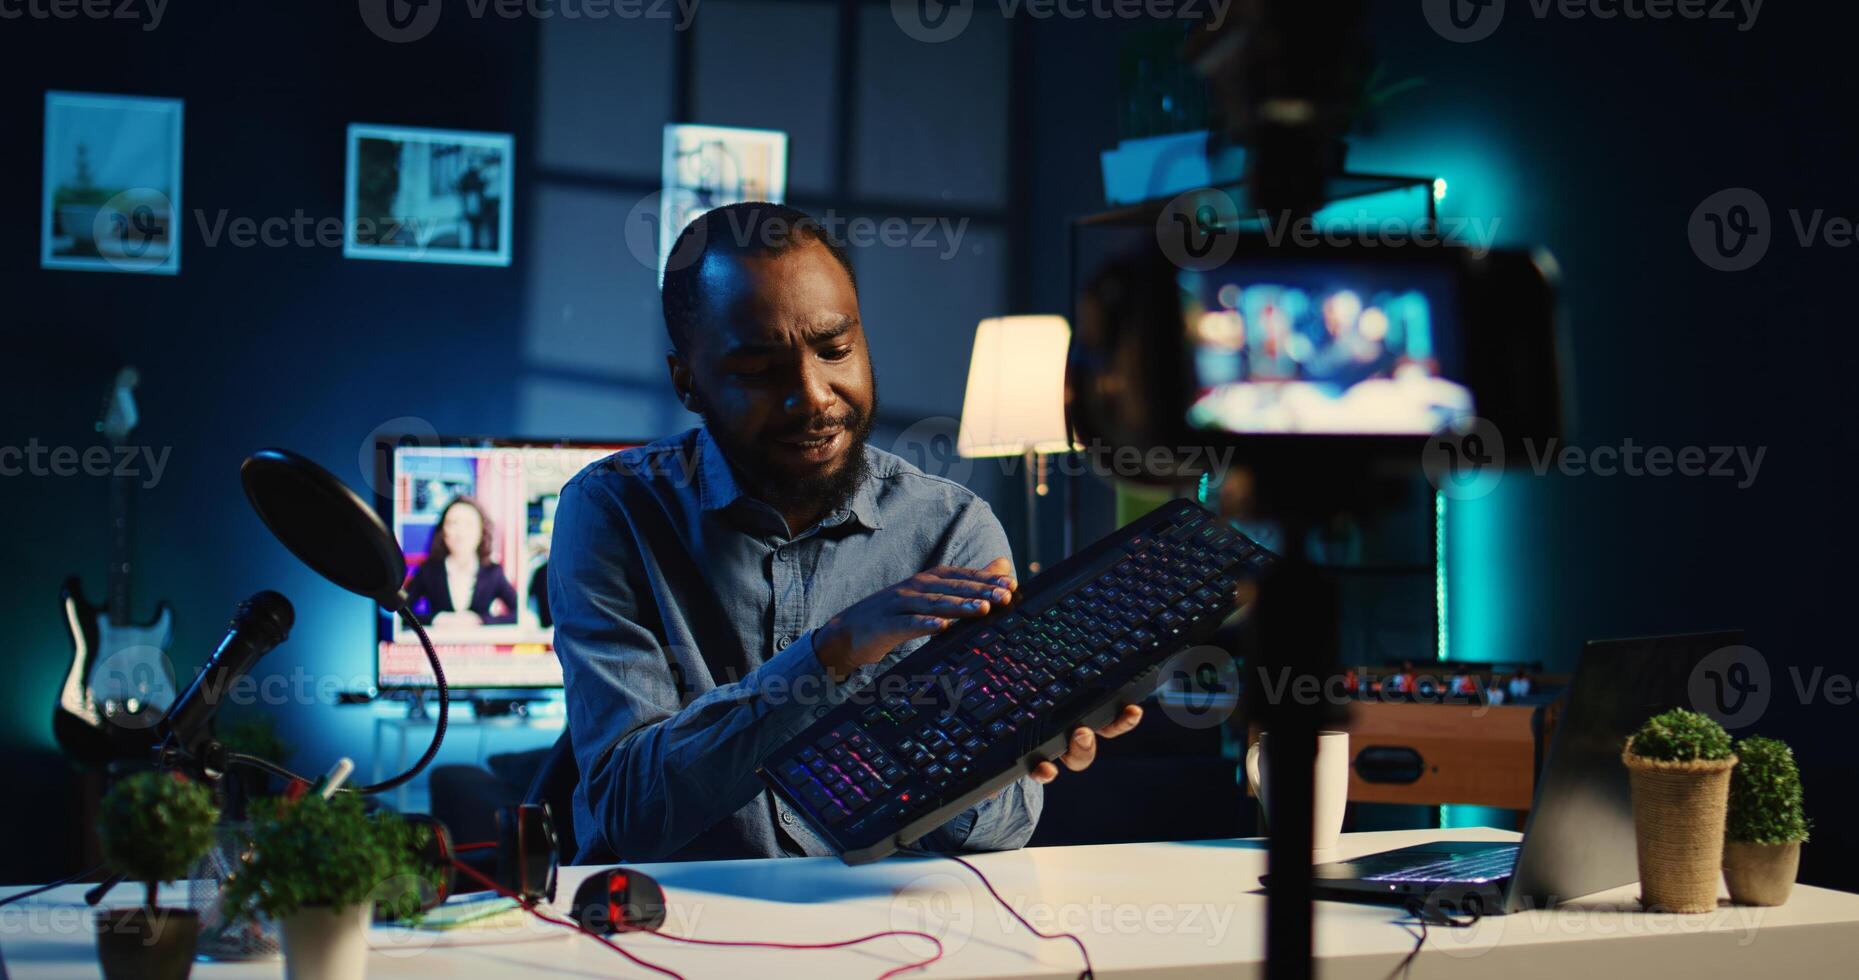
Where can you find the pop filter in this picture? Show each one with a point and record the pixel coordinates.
(325, 524)
(333, 530)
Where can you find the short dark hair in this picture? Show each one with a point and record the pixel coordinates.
(744, 228)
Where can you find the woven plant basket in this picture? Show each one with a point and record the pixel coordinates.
(1679, 810)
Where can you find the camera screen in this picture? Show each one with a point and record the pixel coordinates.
(1332, 347)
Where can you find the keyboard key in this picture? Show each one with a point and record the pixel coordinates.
(815, 795)
(991, 710)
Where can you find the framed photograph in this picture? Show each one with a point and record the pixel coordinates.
(112, 195)
(709, 166)
(428, 195)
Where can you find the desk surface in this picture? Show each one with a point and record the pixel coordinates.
(1189, 909)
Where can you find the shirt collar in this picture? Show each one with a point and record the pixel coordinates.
(717, 488)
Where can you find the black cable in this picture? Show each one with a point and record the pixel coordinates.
(432, 749)
(28, 893)
(1423, 915)
(1088, 973)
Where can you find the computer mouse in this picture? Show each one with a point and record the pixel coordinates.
(619, 900)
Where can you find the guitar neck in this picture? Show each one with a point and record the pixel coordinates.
(119, 549)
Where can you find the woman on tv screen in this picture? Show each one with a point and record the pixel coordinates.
(458, 584)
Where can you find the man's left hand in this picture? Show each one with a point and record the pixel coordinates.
(1083, 748)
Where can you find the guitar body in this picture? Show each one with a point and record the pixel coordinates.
(120, 681)
(119, 684)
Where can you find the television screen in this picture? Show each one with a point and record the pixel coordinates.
(474, 518)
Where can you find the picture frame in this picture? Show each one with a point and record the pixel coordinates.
(428, 195)
(111, 200)
(706, 167)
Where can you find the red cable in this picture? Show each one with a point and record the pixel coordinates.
(578, 927)
(765, 944)
(1088, 973)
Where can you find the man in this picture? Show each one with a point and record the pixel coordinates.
(712, 592)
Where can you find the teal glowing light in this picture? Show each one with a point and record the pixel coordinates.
(1441, 622)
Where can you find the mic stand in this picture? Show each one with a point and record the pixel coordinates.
(214, 758)
(167, 756)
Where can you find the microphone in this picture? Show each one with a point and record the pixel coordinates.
(262, 622)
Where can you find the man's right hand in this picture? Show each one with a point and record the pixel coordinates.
(925, 603)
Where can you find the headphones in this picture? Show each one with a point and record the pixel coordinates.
(526, 852)
(527, 859)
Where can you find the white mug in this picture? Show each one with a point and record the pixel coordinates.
(1332, 785)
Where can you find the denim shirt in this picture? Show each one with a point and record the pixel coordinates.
(684, 620)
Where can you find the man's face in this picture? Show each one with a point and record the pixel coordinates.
(779, 369)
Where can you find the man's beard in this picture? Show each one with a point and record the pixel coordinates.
(820, 492)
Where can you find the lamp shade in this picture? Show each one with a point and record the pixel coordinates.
(1016, 388)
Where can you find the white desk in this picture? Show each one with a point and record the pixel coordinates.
(1168, 910)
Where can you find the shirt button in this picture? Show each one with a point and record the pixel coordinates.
(781, 642)
(782, 553)
(787, 818)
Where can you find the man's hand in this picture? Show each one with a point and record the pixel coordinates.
(927, 602)
(1083, 748)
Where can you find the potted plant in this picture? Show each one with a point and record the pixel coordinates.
(1762, 846)
(318, 867)
(152, 826)
(1680, 765)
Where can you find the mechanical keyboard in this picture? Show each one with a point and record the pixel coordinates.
(1484, 866)
(982, 703)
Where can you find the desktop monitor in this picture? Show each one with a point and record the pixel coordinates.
(474, 517)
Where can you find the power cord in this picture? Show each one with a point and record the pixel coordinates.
(1088, 973)
(419, 765)
(1424, 915)
(569, 923)
(42, 889)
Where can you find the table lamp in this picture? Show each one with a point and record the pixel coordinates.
(1015, 402)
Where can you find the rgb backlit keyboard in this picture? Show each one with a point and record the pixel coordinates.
(978, 706)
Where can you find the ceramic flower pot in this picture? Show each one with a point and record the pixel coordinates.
(141, 943)
(322, 943)
(1760, 874)
(1679, 810)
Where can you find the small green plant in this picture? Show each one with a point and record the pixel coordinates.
(328, 853)
(1680, 736)
(1765, 794)
(153, 826)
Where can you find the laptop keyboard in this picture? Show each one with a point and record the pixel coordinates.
(1483, 866)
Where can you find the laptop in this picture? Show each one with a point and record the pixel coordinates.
(1579, 839)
